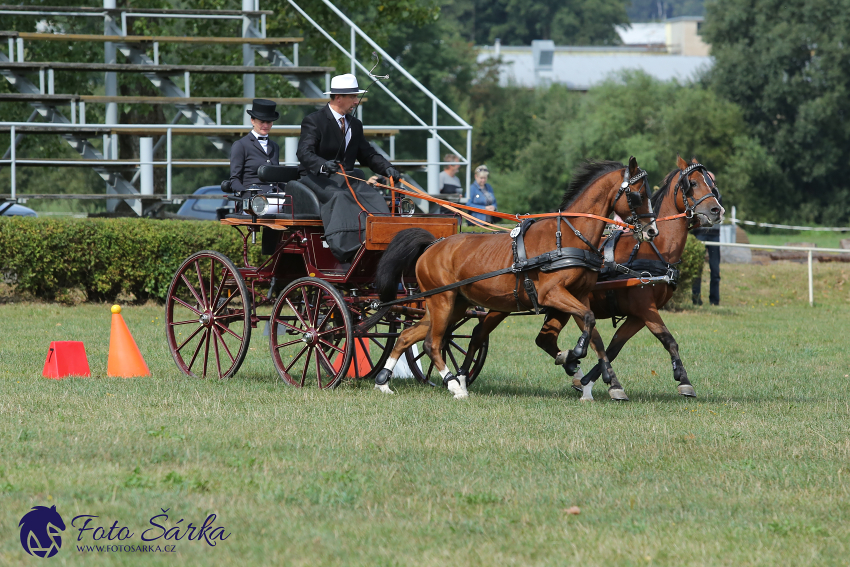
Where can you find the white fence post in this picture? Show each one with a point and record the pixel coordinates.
(168, 163)
(811, 287)
(290, 150)
(146, 166)
(13, 162)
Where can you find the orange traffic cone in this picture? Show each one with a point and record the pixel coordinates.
(125, 360)
(359, 362)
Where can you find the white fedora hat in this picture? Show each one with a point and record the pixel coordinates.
(344, 84)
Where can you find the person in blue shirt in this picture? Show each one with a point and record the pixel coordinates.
(481, 194)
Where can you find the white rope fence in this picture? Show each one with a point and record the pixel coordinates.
(736, 220)
(806, 249)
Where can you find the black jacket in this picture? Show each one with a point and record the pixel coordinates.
(321, 141)
(246, 157)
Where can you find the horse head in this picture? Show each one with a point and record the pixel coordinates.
(700, 197)
(636, 207)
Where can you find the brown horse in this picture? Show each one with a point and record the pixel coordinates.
(695, 195)
(596, 188)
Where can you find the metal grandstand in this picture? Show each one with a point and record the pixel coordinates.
(64, 114)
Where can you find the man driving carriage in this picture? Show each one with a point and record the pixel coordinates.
(331, 140)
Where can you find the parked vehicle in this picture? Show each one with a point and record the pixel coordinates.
(16, 210)
(204, 209)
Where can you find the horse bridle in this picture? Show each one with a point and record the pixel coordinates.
(626, 188)
(691, 203)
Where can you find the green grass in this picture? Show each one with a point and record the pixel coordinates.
(754, 472)
(782, 237)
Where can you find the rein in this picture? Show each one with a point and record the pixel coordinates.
(419, 194)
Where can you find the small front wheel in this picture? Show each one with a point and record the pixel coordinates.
(310, 334)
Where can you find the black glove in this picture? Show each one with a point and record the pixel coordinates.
(330, 168)
(393, 173)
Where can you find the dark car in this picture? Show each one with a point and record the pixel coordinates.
(17, 210)
(204, 209)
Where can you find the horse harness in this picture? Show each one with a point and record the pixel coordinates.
(691, 203)
(557, 259)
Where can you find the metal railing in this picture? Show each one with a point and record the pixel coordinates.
(115, 19)
(433, 161)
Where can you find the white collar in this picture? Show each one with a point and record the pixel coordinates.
(336, 114)
(258, 136)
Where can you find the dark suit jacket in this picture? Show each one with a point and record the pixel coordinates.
(321, 141)
(246, 157)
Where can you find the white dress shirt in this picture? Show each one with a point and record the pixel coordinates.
(263, 143)
(338, 117)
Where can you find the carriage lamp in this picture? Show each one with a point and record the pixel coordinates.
(259, 204)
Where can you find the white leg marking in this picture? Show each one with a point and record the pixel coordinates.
(391, 362)
(385, 388)
(587, 393)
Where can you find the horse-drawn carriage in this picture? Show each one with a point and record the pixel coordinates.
(327, 319)
(309, 304)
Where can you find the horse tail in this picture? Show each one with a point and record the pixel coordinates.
(404, 250)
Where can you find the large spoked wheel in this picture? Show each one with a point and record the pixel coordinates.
(310, 334)
(208, 316)
(456, 343)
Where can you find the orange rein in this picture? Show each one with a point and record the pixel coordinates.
(418, 193)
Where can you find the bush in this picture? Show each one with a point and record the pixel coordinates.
(693, 260)
(102, 258)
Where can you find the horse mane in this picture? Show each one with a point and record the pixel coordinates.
(584, 176)
(658, 196)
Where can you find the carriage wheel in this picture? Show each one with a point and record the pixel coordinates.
(373, 347)
(310, 334)
(457, 342)
(208, 316)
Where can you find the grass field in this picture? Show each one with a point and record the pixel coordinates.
(756, 471)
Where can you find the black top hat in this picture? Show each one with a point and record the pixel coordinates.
(264, 110)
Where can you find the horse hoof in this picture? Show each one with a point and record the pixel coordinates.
(561, 359)
(618, 395)
(583, 399)
(455, 388)
(687, 390)
(385, 388)
(577, 384)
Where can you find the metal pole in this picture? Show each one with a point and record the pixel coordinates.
(392, 148)
(218, 113)
(50, 82)
(168, 163)
(146, 165)
(20, 43)
(248, 80)
(14, 189)
(156, 53)
(811, 287)
(73, 112)
(186, 84)
(82, 112)
(41, 81)
(353, 47)
(468, 163)
(12, 49)
(295, 54)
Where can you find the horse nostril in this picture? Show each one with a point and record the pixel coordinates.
(652, 231)
(716, 211)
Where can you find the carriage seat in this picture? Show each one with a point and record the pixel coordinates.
(305, 203)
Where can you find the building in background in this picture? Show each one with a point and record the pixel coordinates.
(667, 50)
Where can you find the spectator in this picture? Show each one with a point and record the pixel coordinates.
(709, 234)
(481, 193)
(449, 183)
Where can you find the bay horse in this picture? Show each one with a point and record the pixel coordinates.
(690, 203)
(596, 188)
(684, 191)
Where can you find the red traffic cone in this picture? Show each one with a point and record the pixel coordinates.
(66, 358)
(125, 360)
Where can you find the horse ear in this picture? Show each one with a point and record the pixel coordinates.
(633, 166)
(682, 164)
(694, 160)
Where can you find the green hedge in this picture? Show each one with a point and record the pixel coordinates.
(103, 258)
(693, 260)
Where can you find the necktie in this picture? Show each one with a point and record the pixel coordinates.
(262, 137)
(342, 126)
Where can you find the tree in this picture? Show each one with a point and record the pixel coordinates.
(786, 64)
(518, 22)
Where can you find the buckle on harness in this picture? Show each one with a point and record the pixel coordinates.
(645, 277)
